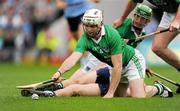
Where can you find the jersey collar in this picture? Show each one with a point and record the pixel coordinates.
(133, 30)
(102, 34)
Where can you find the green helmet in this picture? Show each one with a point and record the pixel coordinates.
(144, 11)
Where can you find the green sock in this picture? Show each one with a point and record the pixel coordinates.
(160, 89)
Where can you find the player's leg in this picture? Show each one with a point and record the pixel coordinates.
(134, 72)
(79, 89)
(158, 89)
(90, 66)
(100, 77)
(136, 76)
(136, 87)
(161, 42)
(74, 90)
(79, 73)
(90, 77)
(88, 72)
(160, 48)
(122, 90)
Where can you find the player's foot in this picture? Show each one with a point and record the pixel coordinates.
(163, 90)
(44, 93)
(49, 93)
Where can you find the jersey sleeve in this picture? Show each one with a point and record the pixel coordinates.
(81, 45)
(115, 43)
(124, 28)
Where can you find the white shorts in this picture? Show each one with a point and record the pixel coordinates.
(135, 68)
(92, 63)
(166, 19)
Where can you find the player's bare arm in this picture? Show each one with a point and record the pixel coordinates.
(116, 75)
(68, 64)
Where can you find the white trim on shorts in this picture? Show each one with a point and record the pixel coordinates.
(135, 69)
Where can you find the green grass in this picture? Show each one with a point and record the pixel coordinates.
(10, 99)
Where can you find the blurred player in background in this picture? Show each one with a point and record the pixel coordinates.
(73, 11)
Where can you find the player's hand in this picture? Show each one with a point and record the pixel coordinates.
(56, 76)
(117, 23)
(174, 26)
(108, 95)
(149, 73)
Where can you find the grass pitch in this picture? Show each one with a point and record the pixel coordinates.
(10, 99)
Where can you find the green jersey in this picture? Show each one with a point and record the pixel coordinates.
(126, 31)
(169, 6)
(110, 43)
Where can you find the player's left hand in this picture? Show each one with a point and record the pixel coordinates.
(174, 26)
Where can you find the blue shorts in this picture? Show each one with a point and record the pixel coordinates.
(74, 22)
(103, 80)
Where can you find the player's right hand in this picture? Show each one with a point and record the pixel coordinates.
(117, 22)
(56, 76)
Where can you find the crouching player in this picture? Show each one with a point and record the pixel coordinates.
(131, 77)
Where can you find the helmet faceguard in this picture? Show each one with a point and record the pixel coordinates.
(92, 22)
(142, 16)
(143, 11)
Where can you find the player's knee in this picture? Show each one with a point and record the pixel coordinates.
(75, 89)
(157, 49)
